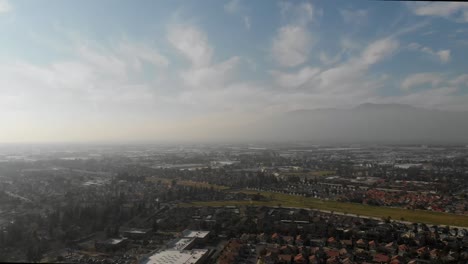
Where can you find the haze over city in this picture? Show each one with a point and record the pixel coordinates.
(112, 71)
(233, 132)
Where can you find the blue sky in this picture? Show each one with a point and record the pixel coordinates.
(89, 70)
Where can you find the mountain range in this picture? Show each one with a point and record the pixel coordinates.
(365, 123)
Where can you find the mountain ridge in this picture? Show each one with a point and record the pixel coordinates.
(372, 106)
(395, 123)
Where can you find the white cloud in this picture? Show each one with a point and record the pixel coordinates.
(234, 97)
(74, 86)
(212, 76)
(415, 46)
(421, 78)
(95, 81)
(443, 56)
(461, 80)
(301, 14)
(5, 6)
(348, 78)
(139, 52)
(192, 43)
(349, 48)
(325, 59)
(291, 46)
(455, 11)
(292, 42)
(342, 85)
(293, 80)
(247, 22)
(110, 82)
(354, 16)
(202, 73)
(101, 80)
(379, 50)
(106, 64)
(442, 93)
(349, 45)
(306, 13)
(232, 6)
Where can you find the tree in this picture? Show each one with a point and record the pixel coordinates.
(388, 219)
(155, 226)
(116, 230)
(108, 232)
(33, 252)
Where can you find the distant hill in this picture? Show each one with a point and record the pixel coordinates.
(366, 123)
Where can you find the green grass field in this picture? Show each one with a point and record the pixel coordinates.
(286, 200)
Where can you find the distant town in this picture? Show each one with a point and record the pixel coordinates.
(234, 203)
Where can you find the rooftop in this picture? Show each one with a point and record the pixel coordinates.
(181, 243)
(177, 257)
(195, 233)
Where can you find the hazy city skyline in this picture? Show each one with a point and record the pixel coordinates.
(214, 70)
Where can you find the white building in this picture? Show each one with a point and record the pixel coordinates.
(171, 256)
(197, 234)
(184, 243)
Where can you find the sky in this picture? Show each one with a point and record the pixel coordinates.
(112, 70)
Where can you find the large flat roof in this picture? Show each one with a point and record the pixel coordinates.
(195, 233)
(181, 243)
(177, 257)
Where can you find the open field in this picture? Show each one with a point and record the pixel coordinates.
(286, 200)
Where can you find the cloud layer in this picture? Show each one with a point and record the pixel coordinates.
(191, 84)
(5, 6)
(454, 11)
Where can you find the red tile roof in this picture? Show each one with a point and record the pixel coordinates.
(381, 258)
